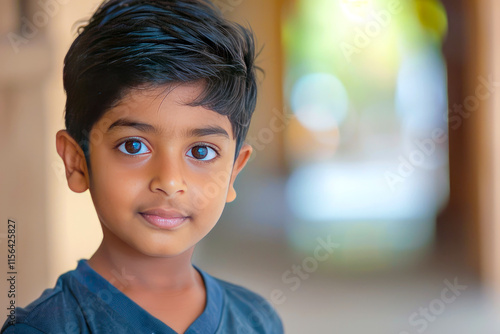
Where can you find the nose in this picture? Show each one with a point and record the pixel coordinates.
(167, 175)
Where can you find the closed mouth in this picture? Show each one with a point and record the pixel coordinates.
(167, 223)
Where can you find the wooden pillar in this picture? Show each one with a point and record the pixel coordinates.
(487, 131)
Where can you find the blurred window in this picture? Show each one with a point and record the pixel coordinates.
(368, 146)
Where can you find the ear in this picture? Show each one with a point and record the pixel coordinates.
(74, 161)
(241, 161)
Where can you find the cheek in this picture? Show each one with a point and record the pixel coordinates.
(114, 189)
(210, 190)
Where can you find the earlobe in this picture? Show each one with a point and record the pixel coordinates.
(74, 161)
(241, 161)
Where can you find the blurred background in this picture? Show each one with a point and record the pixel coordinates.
(369, 204)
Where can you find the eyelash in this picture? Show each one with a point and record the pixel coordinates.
(203, 144)
(131, 139)
(217, 155)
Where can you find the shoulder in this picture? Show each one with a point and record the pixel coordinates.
(249, 308)
(55, 311)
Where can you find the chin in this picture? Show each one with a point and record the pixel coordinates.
(163, 252)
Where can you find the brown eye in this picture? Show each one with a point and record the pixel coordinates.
(203, 152)
(132, 147)
(199, 152)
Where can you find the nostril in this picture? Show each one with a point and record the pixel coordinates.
(168, 186)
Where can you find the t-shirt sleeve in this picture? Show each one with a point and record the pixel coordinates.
(271, 317)
(22, 328)
(249, 311)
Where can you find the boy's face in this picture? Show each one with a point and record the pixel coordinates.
(152, 151)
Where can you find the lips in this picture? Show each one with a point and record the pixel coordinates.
(164, 219)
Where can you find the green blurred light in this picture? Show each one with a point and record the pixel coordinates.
(432, 17)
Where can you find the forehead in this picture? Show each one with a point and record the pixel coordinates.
(166, 109)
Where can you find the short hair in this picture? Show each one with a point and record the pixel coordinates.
(128, 44)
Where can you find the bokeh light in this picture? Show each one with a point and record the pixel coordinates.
(319, 101)
(367, 83)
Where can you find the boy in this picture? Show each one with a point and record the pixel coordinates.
(160, 94)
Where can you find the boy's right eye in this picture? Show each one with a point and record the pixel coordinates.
(133, 147)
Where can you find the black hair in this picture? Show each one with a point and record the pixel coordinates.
(131, 43)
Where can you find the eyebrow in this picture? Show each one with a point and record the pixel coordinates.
(123, 122)
(212, 130)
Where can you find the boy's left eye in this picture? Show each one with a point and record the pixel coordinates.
(203, 152)
(133, 147)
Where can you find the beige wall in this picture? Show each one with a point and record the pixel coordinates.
(73, 227)
(264, 18)
(54, 226)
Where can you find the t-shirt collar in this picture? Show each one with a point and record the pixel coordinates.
(207, 322)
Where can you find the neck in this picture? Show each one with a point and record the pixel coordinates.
(128, 269)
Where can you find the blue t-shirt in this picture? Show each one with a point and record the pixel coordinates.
(84, 302)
